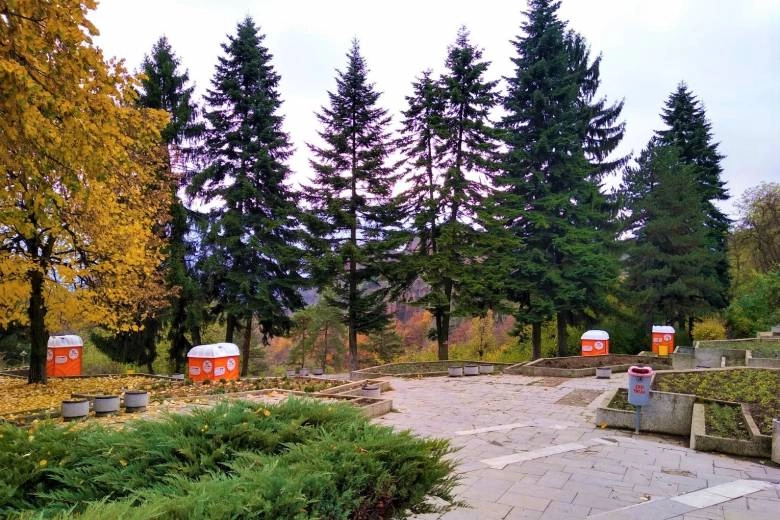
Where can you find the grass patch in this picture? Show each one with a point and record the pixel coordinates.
(759, 389)
(620, 401)
(300, 459)
(725, 420)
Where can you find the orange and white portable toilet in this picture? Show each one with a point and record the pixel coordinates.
(595, 343)
(64, 356)
(663, 340)
(215, 361)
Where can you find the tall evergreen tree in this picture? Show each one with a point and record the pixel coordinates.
(689, 130)
(254, 264)
(352, 198)
(168, 88)
(558, 137)
(450, 147)
(165, 87)
(668, 258)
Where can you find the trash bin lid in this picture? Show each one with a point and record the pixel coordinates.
(664, 329)
(595, 334)
(640, 371)
(213, 350)
(69, 340)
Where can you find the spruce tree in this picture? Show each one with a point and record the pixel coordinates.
(253, 262)
(668, 263)
(451, 150)
(689, 130)
(164, 86)
(352, 198)
(558, 137)
(168, 88)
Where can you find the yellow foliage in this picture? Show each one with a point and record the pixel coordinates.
(86, 184)
(709, 328)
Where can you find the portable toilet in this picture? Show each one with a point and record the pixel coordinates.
(215, 361)
(64, 355)
(595, 343)
(663, 340)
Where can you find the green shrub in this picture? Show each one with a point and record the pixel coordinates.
(301, 459)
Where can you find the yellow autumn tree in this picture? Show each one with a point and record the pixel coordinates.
(83, 193)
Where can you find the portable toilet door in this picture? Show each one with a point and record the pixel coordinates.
(595, 343)
(663, 340)
(64, 356)
(213, 362)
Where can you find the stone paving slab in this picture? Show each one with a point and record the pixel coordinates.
(549, 460)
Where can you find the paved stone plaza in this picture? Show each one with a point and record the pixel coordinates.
(529, 448)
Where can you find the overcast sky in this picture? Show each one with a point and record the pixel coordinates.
(727, 51)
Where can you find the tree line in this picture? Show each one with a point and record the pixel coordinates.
(505, 215)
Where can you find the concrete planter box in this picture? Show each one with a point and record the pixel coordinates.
(666, 413)
(761, 362)
(471, 370)
(706, 357)
(420, 369)
(683, 361)
(136, 401)
(106, 405)
(371, 390)
(603, 372)
(621, 364)
(317, 371)
(485, 369)
(757, 446)
(455, 371)
(75, 409)
(776, 441)
(290, 372)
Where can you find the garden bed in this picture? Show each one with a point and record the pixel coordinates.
(757, 388)
(584, 366)
(667, 412)
(727, 428)
(419, 369)
(21, 402)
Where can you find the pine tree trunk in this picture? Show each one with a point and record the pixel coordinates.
(196, 338)
(324, 347)
(36, 312)
(245, 347)
(441, 333)
(561, 322)
(536, 340)
(178, 351)
(230, 329)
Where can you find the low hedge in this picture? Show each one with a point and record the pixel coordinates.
(300, 459)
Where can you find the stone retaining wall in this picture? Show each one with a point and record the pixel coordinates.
(757, 446)
(666, 413)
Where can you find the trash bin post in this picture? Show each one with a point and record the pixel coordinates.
(639, 391)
